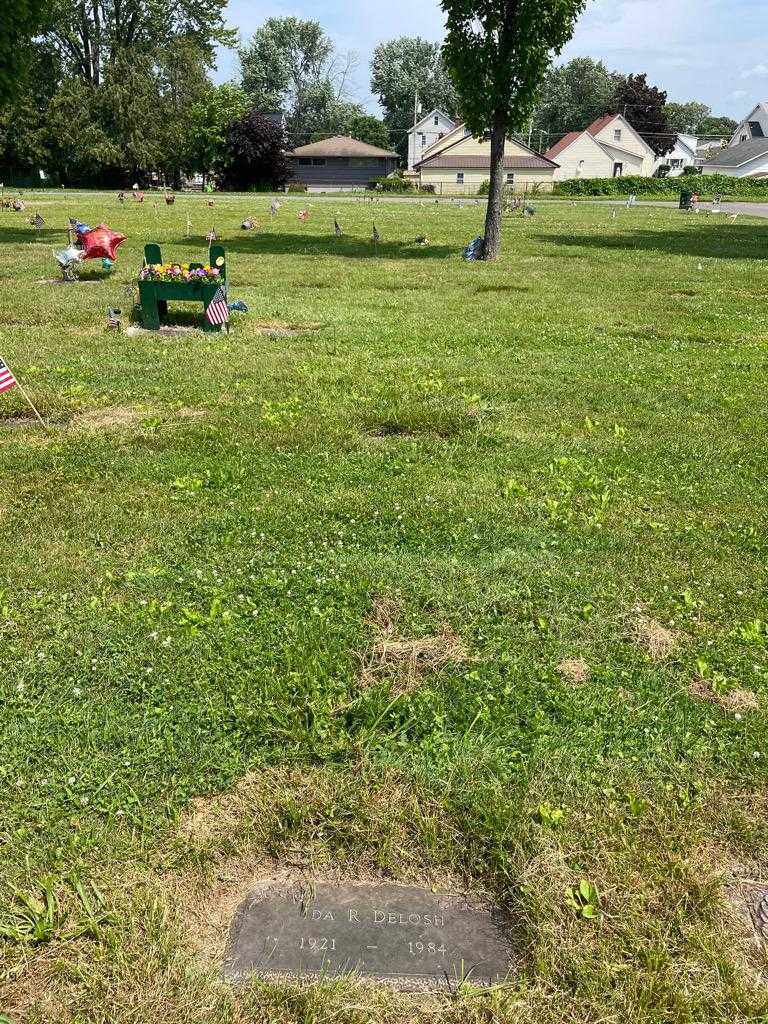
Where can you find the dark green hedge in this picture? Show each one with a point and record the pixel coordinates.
(707, 185)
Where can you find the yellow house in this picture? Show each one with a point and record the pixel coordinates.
(458, 164)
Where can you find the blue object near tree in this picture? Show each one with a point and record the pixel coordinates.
(474, 250)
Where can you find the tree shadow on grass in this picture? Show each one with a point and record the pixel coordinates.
(23, 232)
(348, 246)
(722, 240)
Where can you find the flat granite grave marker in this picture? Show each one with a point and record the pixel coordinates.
(406, 935)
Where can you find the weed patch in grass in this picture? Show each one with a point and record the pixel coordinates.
(574, 670)
(650, 636)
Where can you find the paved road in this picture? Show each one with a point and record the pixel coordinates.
(745, 209)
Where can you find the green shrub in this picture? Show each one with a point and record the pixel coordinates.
(688, 171)
(708, 185)
(297, 186)
(390, 185)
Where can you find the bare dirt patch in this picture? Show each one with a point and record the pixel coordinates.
(111, 417)
(281, 330)
(735, 700)
(405, 661)
(574, 670)
(656, 640)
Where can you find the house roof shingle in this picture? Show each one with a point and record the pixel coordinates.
(600, 123)
(340, 145)
(564, 143)
(511, 163)
(735, 156)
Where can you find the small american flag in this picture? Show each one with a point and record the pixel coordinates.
(337, 228)
(38, 221)
(218, 310)
(7, 380)
(376, 235)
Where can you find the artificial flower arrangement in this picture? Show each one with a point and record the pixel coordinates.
(178, 272)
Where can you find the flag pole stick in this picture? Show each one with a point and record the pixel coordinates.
(31, 404)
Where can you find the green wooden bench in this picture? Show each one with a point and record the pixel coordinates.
(154, 296)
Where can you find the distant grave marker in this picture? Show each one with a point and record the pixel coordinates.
(408, 936)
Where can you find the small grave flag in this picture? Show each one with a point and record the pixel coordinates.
(376, 235)
(211, 236)
(7, 380)
(38, 221)
(218, 310)
(337, 228)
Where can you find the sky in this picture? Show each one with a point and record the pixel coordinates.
(713, 51)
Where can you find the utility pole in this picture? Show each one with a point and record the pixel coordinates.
(415, 122)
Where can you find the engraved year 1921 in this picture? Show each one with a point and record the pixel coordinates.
(317, 944)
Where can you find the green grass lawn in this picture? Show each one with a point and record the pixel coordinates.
(427, 570)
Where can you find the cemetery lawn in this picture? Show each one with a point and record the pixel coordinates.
(440, 572)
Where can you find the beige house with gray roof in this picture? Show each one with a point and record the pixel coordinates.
(459, 164)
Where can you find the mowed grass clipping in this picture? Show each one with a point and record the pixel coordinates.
(427, 570)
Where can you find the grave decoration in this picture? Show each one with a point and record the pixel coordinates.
(68, 259)
(100, 243)
(161, 283)
(37, 222)
(474, 250)
(19, 205)
(170, 199)
(211, 236)
(303, 215)
(248, 224)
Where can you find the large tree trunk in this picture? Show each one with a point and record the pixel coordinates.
(496, 184)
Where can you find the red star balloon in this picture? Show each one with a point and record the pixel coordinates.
(101, 243)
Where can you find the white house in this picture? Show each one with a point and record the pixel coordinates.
(746, 155)
(754, 126)
(609, 148)
(426, 133)
(682, 156)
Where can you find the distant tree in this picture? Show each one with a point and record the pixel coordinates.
(497, 52)
(182, 81)
(644, 106)
(21, 20)
(403, 68)
(714, 125)
(290, 65)
(209, 118)
(573, 95)
(254, 154)
(688, 117)
(370, 129)
(89, 36)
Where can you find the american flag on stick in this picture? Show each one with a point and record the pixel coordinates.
(7, 380)
(376, 235)
(218, 310)
(337, 228)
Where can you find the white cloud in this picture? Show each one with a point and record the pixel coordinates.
(758, 71)
(739, 94)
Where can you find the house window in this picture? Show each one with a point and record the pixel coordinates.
(510, 178)
(460, 178)
(318, 161)
(617, 170)
(305, 162)
(675, 164)
(423, 140)
(580, 168)
(617, 134)
(437, 120)
(744, 138)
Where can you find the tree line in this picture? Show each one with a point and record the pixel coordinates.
(107, 93)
